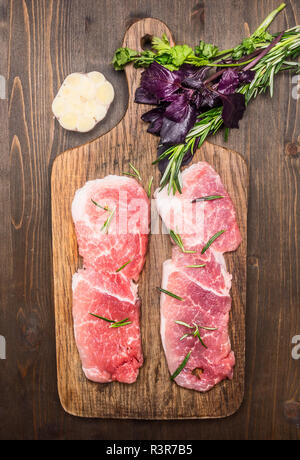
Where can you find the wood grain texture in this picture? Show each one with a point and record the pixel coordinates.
(153, 396)
(47, 39)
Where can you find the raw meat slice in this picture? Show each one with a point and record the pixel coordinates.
(126, 238)
(107, 354)
(202, 306)
(205, 291)
(198, 222)
(213, 276)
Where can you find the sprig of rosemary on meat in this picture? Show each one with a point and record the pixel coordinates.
(114, 324)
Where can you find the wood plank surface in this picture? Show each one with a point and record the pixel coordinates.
(153, 396)
(47, 39)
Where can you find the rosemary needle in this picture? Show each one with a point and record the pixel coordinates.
(115, 324)
(150, 187)
(105, 208)
(195, 266)
(208, 198)
(212, 239)
(170, 294)
(106, 224)
(177, 240)
(123, 266)
(182, 366)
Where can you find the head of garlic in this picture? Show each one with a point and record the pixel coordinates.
(83, 101)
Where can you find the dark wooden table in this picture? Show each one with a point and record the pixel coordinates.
(41, 41)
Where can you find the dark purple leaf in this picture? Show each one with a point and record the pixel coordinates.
(234, 107)
(232, 79)
(160, 82)
(178, 109)
(195, 78)
(246, 76)
(229, 82)
(155, 118)
(175, 133)
(143, 97)
(208, 98)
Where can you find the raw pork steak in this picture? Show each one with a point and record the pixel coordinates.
(109, 353)
(198, 222)
(206, 302)
(127, 235)
(205, 291)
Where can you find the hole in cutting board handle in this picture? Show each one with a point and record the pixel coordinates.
(146, 42)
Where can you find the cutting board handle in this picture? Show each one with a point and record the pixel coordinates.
(138, 37)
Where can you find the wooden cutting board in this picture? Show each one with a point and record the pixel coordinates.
(153, 396)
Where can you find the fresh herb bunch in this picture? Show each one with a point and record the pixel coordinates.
(193, 103)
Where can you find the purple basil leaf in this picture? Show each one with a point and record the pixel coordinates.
(229, 82)
(143, 97)
(208, 98)
(246, 76)
(175, 133)
(160, 82)
(234, 106)
(155, 118)
(195, 78)
(178, 109)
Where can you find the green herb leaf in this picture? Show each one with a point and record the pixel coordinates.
(102, 317)
(206, 50)
(185, 336)
(181, 323)
(182, 366)
(196, 266)
(177, 240)
(107, 223)
(150, 187)
(123, 266)
(137, 173)
(122, 57)
(122, 323)
(169, 294)
(105, 208)
(208, 198)
(212, 239)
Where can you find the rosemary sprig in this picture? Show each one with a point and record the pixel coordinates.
(122, 323)
(208, 198)
(150, 187)
(177, 240)
(105, 208)
(123, 266)
(107, 223)
(196, 332)
(115, 324)
(211, 240)
(196, 266)
(170, 294)
(182, 366)
(102, 317)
